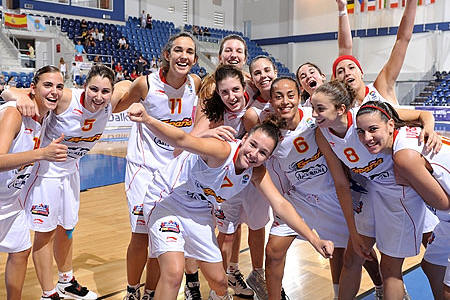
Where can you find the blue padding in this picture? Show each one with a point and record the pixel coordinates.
(99, 170)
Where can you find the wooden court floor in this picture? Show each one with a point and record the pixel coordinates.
(103, 232)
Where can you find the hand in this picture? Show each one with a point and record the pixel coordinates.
(56, 151)
(224, 133)
(433, 140)
(137, 113)
(26, 106)
(342, 4)
(325, 248)
(360, 248)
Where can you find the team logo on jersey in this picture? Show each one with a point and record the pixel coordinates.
(245, 179)
(40, 209)
(160, 143)
(77, 111)
(370, 166)
(77, 139)
(412, 132)
(311, 122)
(186, 122)
(373, 96)
(171, 239)
(226, 182)
(219, 214)
(211, 192)
(311, 172)
(28, 130)
(302, 163)
(38, 221)
(18, 182)
(140, 222)
(379, 176)
(77, 152)
(169, 226)
(138, 210)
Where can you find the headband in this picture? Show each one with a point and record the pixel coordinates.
(344, 57)
(377, 108)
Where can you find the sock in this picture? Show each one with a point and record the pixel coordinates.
(260, 271)
(192, 277)
(336, 289)
(149, 291)
(48, 293)
(233, 267)
(65, 277)
(133, 288)
(379, 287)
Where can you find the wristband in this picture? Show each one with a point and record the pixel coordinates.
(342, 12)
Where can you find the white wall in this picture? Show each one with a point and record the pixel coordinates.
(203, 12)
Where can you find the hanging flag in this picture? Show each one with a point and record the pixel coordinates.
(371, 5)
(362, 4)
(351, 6)
(419, 2)
(15, 21)
(429, 2)
(393, 3)
(35, 23)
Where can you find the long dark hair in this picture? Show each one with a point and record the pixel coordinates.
(168, 47)
(102, 71)
(270, 126)
(305, 95)
(214, 107)
(339, 92)
(284, 78)
(386, 112)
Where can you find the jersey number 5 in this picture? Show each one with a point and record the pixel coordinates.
(88, 123)
(173, 105)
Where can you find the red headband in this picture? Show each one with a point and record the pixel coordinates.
(377, 108)
(344, 57)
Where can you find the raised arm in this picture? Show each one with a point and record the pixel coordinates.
(121, 90)
(345, 42)
(10, 122)
(287, 212)
(342, 186)
(385, 81)
(250, 119)
(137, 91)
(411, 166)
(213, 151)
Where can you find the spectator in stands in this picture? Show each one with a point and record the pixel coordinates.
(140, 63)
(90, 41)
(83, 25)
(63, 67)
(118, 67)
(95, 33)
(206, 32)
(119, 76)
(76, 72)
(11, 82)
(134, 75)
(2, 83)
(123, 43)
(31, 55)
(196, 30)
(101, 34)
(97, 60)
(154, 67)
(126, 75)
(149, 23)
(143, 19)
(79, 50)
(202, 73)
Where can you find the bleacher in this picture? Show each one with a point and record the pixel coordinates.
(436, 92)
(22, 79)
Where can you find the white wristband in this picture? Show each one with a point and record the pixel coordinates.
(342, 12)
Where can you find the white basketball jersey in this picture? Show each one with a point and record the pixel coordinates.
(234, 119)
(169, 105)
(408, 138)
(300, 159)
(188, 182)
(82, 129)
(372, 94)
(262, 108)
(12, 181)
(377, 167)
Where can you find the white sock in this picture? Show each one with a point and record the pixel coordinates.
(65, 277)
(336, 290)
(48, 293)
(148, 291)
(233, 267)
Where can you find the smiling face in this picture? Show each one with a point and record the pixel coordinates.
(285, 99)
(98, 93)
(325, 111)
(231, 92)
(255, 149)
(263, 73)
(374, 133)
(48, 90)
(233, 53)
(347, 71)
(310, 78)
(181, 57)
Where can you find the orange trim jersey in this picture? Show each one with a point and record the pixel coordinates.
(12, 181)
(169, 105)
(376, 167)
(82, 129)
(408, 138)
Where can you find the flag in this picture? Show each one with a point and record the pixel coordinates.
(362, 4)
(351, 6)
(15, 21)
(371, 5)
(429, 2)
(419, 2)
(35, 23)
(393, 3)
